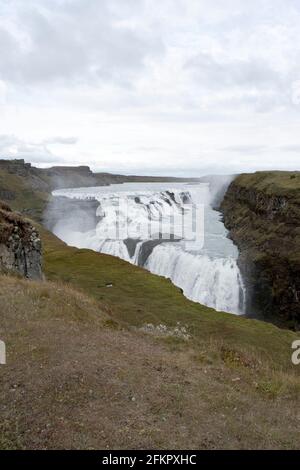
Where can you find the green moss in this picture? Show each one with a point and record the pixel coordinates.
(270, 388)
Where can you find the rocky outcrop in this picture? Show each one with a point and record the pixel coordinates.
(20, 245)
(262, 213)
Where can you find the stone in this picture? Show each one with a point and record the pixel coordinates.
(20, 246)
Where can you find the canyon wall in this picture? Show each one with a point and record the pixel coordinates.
(262, 213)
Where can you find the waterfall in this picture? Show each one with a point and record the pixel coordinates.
(215, 282)
(146, 229)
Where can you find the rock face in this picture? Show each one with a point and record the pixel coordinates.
(262, 213)
(20, 245)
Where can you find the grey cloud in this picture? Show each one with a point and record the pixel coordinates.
(245, 149)
(122, 74)
(13, 147)
(251, 82)
(291, 148)
(213, 73)
(8, 46)
(62, 140)
(78, 41)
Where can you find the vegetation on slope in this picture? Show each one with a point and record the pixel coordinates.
(9, 220)
(76, 378)
(84, 372)
(21, 195)
(277, 183)
(137, 297)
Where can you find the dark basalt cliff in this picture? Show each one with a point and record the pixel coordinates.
(262, 213)
(20, 245)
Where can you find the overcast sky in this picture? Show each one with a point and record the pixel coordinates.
(182, 87)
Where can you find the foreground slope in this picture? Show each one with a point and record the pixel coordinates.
(77, 379)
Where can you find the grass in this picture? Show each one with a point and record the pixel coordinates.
(77, 350)
(77, 379)
(25, 198)
(10, 220)
(139, 297)
(272, 182)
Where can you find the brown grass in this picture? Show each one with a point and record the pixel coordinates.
(4, 207)
(76, 378)
(9, 220)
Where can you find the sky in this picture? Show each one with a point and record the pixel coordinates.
(168, 87)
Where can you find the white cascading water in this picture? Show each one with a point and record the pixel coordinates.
(213, 282)
(207, 274)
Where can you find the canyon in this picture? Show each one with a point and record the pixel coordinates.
(262, 214)
(122, 355)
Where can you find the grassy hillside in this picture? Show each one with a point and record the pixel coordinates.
(76, 378)
(20, 194)
(273, 182)
(138, 297)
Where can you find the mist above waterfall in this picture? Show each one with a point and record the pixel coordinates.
(170, 229)
(218, 185)
(65, 217)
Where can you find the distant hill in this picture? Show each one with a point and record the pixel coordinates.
(27, 188)
(73, 176)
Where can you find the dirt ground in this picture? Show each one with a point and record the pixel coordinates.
(75, 379)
